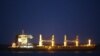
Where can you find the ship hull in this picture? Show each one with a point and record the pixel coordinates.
(52, 49)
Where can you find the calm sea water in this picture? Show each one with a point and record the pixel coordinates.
(50, 53)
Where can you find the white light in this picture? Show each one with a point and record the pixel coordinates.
(53, 41)
(13, 45)
(65, 40)
(40, 40)
(19, 39)
(30, 36)
(89, 42)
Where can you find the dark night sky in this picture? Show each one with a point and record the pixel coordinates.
(48, 17)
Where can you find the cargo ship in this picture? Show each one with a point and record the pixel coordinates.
(22, 43)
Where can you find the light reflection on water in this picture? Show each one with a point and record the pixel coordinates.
(50, 53)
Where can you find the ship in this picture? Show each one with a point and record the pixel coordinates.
(22, 43)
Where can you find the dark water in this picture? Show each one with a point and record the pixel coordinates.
(50, 53)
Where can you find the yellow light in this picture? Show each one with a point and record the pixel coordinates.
(65, 40)
(77, 41)
(89, 42)
(23, 39)
(53, 41)
(49, 47)
(40, 40)
(13, 45)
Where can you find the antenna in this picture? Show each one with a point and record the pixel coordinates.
(22, 31)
